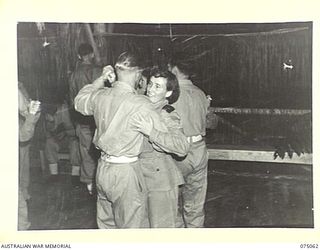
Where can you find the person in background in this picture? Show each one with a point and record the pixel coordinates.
(142, 86)
(159, 168)
(85, 73)
(29, 114)
(121, 188)
(61, 132)
(192, 106)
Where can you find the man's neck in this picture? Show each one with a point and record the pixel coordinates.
(127, 80)
(86, 62)
(128, 83)
(183, 79)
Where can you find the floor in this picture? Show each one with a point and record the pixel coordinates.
(57, 203)
(240, 194)
(247, 194)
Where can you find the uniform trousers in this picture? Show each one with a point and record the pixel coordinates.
(23, 221)
(24, 180)
(88, 153)
(24, 170)
(193, 193)
(122, 195)
(162, 179)
(163, 208)
(53, 146)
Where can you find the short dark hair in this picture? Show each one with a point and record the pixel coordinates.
(85, 49)
(129, 60)
(172, 82)
(183, 62)
(146, 73)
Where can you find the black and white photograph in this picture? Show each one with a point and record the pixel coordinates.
(165, 125)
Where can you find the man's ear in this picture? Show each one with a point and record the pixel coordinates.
(138, 76)
(169, 93)
(175, 70)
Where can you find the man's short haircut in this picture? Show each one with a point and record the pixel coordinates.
(129, 61)
(85, 49)
(146, 73)
(172, 82)
(183, 62)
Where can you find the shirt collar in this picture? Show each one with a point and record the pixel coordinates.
(159, 105)
(185, 82)
(124, 86)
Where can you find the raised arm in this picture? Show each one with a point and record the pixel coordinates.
(84, 101)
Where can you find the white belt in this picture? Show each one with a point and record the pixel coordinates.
(194, 138)
(118, 159)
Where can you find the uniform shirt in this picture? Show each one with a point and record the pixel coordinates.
(83, 75)
(158, 167)
(27, 121)
(113, 110)
(192, 106)
(173, 142)
(26, 127)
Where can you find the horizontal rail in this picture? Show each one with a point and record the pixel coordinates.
(245, 155)
(256, 155)
(259, 111)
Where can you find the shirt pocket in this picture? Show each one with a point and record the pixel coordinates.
(156, 174)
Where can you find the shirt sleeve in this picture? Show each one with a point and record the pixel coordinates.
(173, 140)
(26, 131)
(85, 99)
(82, 77)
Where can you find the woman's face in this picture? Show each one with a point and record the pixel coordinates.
(157, 89)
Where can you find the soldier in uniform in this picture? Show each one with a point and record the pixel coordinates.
(86, 72)
(121, 188)
(159, 168)
(192, 106)
(61, 133)
(29, 114)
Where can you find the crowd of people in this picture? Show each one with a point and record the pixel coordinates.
(137, 142)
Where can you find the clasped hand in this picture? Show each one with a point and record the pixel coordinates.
(108, 74)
